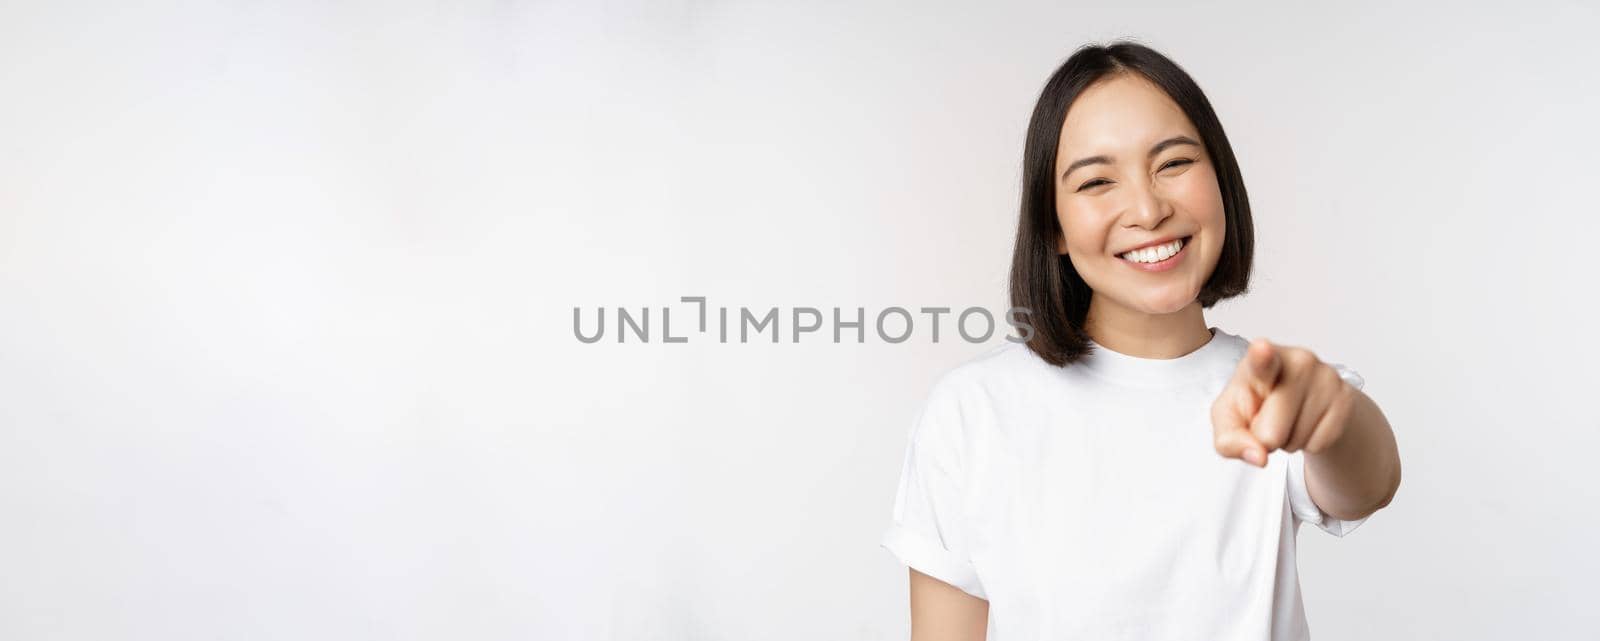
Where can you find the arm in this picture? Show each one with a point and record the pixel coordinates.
(1360, 472)
(942, 612)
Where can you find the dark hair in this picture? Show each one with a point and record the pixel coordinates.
(1044, 281)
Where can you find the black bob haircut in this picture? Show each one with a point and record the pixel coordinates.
(1045, 282)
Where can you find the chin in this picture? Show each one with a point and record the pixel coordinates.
(1166, 305)
(1165, 309)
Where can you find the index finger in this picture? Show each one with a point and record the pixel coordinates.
(1260, 367)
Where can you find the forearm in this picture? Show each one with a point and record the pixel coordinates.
(1360, 472)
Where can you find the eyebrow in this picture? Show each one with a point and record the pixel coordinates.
(1106, 160)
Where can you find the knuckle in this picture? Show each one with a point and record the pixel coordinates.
(1328, 376)
(1346, 395)
(1272, 437)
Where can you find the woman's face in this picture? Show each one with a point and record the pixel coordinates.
(1131, 170)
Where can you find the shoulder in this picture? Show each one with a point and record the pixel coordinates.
(1231, 347)
(994, 374)
(968, 401)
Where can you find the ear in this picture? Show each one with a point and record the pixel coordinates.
(1061, 243)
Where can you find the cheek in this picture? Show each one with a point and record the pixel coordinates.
(1199, 195)
(1203, 200)
(1202, 195)
(1084, 226)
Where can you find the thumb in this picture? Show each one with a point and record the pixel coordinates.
(1231, 432)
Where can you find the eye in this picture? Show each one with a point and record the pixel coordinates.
(1175, 162)
(1094, 183)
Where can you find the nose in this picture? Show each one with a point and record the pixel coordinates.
(1148, 208)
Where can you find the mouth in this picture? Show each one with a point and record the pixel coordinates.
(1158, 258)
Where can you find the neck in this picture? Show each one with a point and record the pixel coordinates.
(1136, 333)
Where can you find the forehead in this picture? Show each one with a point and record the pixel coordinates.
(1123, 113)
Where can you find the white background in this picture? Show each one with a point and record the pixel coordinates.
(286, 298)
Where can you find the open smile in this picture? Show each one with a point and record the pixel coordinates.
(1157, 258)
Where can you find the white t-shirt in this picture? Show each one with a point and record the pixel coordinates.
(1088, 502)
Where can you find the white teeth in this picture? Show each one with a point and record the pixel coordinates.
(1154, 254)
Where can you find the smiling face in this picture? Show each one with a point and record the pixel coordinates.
(1131, 170)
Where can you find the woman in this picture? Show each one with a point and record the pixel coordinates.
(1071, 487)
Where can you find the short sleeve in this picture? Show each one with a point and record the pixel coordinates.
(930, 530)
(1300, 502)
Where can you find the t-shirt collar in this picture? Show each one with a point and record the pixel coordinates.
(1195, 366)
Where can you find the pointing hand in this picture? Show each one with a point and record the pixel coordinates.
(1279, 398)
